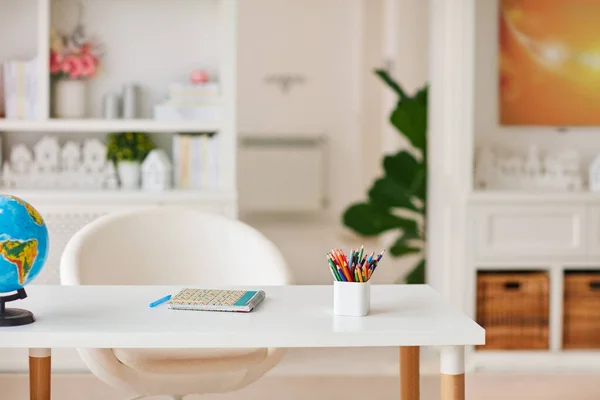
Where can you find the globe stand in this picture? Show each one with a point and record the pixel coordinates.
(14, 316)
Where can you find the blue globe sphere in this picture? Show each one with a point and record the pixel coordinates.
(23, 243)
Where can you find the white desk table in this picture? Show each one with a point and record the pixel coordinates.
(291, 316)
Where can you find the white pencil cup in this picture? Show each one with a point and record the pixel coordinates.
(351, 298)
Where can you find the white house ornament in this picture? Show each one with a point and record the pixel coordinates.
(157, 171)
(94, 154)
(558, 171)
(70, 157)
(21, 159)
(46, 154)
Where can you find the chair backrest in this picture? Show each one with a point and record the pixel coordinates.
(171, 246)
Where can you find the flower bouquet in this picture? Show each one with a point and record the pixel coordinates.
(73, 59)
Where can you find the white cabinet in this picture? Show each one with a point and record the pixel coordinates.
(520, 230)
(551, 232)
(593, 232)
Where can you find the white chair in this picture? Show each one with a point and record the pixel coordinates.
(180, 247)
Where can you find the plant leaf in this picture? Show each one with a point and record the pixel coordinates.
(395, 86)
(419, 185)
(422, 95)
(410, 234)
(401, 248)
(402, 167)
(387, 193)
(410, 118)
(370, 220)
(417, 275)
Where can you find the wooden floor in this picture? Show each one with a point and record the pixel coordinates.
(488, 387)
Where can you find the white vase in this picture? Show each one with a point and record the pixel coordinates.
(129, 174)
(69, 98)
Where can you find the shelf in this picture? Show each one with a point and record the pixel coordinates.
(494, 196)
(108, 126)
(122, 196)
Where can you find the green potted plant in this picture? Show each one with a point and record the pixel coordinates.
(397, 201)
(127, 150)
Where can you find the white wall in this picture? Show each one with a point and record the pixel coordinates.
(405, 43)
(487, 127)
(320, 41)
(341, 98)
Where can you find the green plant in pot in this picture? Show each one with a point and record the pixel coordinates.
(397, 201)
(127, 150)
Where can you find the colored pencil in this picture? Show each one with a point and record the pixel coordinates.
(360, 254)
(354, 267)
(336, 276)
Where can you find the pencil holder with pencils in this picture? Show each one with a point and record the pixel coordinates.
(351, 276)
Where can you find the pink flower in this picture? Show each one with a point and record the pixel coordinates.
(199, 76)
(56, 60)
(88, 66)
(73, 67)
(86, 48)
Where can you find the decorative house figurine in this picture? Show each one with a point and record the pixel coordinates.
(552, 172)
(94, 155)
(111, 179)
(8, 178)
(21, 159)
(553, 166)
(594, 177)
(533, 163)
(570, 161)
(46, 153)
(156, 171)
(70, 157)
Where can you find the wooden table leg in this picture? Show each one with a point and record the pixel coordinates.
(409, 373)
(39, 374)
(453, 373)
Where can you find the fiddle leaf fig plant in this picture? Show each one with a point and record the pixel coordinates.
(396, 202)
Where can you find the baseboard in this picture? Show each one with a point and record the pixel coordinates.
(296, 363)
(480, 386)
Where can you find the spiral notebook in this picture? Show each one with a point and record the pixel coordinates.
(217, 300)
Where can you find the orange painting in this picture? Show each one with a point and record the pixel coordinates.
(549, 62)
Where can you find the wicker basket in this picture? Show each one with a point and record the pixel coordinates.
(513, 309)
(581, 311)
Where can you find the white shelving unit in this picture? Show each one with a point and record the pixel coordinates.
(152, 43)
(471, 231)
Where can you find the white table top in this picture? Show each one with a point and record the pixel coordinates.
(291, 316)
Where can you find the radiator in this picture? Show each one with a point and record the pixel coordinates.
(282, 173)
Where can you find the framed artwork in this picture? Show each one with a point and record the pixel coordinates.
(549, 62)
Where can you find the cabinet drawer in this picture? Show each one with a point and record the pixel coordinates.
(528, 230)
(593, 231)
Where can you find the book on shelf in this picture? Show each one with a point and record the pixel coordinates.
(20, 89)
(191, 102)
(196, 161)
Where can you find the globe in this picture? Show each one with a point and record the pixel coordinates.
(23, 243)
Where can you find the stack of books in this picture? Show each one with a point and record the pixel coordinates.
(190, 102)
(196, 161)
(20, 89)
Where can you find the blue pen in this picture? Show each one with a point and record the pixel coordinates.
(160, 301)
